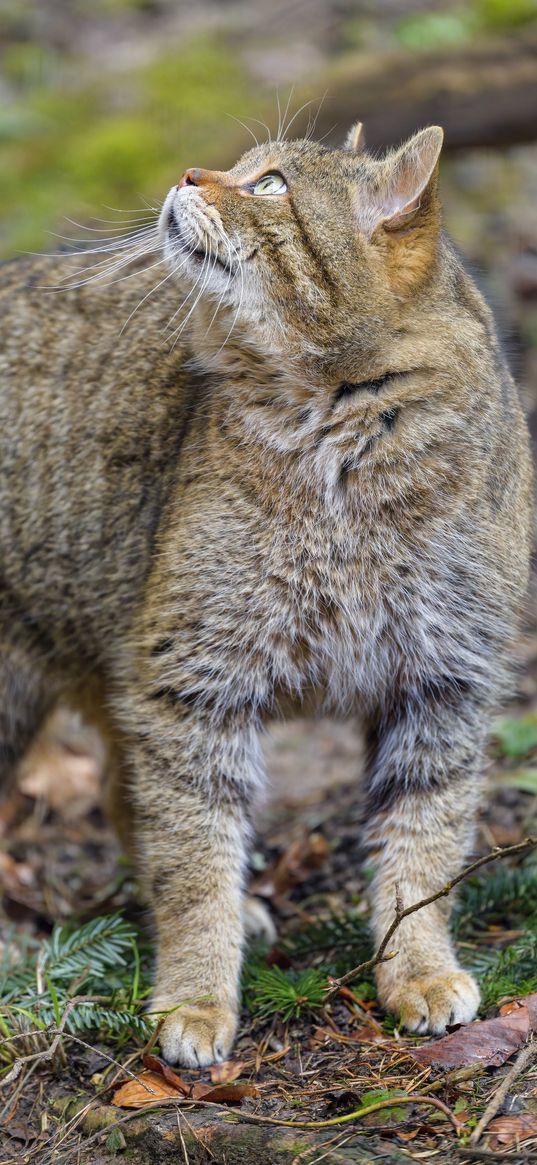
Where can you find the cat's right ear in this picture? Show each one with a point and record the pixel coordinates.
(355, 141)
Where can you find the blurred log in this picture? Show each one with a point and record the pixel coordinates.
(483, 94)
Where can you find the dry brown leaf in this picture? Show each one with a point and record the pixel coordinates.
(64, 765)
(147, 1088)
(223, 1093)
(225, 1072)
(511, 1130)
(162, 1069)
(490, 1042)
(294, 866)
(512, 1005)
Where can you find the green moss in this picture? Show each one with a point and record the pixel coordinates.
(73, 145)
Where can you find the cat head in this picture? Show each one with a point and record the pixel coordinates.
(312, 249)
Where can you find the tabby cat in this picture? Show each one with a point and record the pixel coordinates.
(283, 458)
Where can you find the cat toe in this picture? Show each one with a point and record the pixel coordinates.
(197, 1035)
(429, 1003)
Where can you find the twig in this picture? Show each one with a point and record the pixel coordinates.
(60, 1033)
(380, 955)
(486, 1155)
(524, 1058)
(393, 1102)
(46, 1053)
(181, 1137)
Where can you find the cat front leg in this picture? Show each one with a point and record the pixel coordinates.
(424, 785)
(193, 782)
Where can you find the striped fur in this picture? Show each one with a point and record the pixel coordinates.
(321, 487)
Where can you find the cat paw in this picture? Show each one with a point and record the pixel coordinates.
(429, 1003)
(198, 1034)
(257, 920)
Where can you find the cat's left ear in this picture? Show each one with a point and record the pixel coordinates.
(355, 141)
(405, 189)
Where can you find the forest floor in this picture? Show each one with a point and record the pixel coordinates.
(296, 1058)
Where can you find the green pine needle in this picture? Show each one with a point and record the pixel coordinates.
(100, 957)
(286, 993)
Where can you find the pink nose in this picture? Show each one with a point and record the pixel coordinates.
(190, 178)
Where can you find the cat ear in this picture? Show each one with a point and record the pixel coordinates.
(355, 138)
(407, 183)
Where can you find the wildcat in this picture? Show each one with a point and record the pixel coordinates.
(320, 488)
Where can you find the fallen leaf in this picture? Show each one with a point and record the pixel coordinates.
(64, 765)
(490, 1042)
(294, 866)
(512, 1005)
(162, 1069)
(225, 1072)
(223, 1093)
(511, 1130)
(147, 1088)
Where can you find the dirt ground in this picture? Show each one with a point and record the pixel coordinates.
(62, 860)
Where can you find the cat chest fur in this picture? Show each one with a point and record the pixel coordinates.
(294, 588)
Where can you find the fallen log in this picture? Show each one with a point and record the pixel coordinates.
(484, 94)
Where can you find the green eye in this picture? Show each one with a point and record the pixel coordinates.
(270, 184)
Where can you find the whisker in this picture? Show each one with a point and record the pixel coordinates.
(103, 271)
(116, 226)
(263, 125)
(119, 210)
(238, 308)
(203, 278)
(149, 293)
(186, 299)
(112, 254)
(328, 132)
(115, 243)
(244, 126)
(295, 115)
(281, 135)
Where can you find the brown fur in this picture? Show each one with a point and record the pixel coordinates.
(324, 485)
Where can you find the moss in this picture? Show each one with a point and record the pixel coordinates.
(73, 144)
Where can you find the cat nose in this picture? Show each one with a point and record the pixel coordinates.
(190, 178)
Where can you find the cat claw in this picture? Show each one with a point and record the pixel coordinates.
(430, 1003)
(197, 1035)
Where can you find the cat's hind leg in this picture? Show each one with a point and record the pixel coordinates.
(28, 691)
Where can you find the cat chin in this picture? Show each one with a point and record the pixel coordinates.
(164, 217)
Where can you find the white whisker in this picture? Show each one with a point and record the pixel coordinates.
(118, 227)
(312, 123)
(244, 126)
(119, 210)
(114, 243)
(295, 115)
(263, 125)
(149, 293)
(103, 271)
(281, 130)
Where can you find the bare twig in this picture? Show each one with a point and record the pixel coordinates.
(393, 1102)
(380, 955)
(523, 1060)
(181, 1137)
(59, 1033)
(46, 1053)
(486, 1155)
